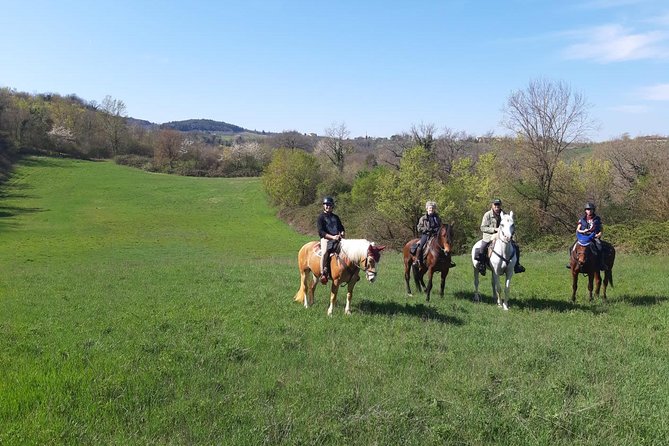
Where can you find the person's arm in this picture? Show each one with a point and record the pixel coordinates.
(422, 225)
(598, 228)
(320, 224)
(487, 225)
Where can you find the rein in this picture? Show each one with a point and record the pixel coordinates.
(507, 241)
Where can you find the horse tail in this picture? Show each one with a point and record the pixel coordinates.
(301, 292)
(302, 264)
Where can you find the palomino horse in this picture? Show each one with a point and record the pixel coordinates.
(502, 260)
(438, 253)
(355, 255)
(582, 260)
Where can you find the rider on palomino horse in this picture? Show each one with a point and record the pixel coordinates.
(331, 231)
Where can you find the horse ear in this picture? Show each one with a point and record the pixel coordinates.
(511, 214)
(381, 248)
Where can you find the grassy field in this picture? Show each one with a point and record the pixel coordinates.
(138, 308)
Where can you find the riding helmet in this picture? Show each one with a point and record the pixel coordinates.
(590, 205)
(497, 201)
(328, 200)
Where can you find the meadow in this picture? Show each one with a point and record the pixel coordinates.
(140, 308)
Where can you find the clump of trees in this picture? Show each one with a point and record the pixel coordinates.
(52, 124)
(545, 173)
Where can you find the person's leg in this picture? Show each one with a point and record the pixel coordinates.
(483, 257)
(518, 268)
(324, 258)
(600, 254)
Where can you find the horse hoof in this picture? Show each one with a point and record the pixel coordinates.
(506, 307)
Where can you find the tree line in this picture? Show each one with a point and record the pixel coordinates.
(545, 172)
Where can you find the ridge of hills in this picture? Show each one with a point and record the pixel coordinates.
(193, 125)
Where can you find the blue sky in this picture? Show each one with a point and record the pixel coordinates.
(377, 66)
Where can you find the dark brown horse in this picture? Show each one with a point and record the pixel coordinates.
(438, 258)
(584, 261)
(355, 255)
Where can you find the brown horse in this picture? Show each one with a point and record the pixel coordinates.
(438, 253)
(584, 261)
(355, 255)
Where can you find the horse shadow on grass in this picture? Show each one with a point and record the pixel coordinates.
(643, 301)
(538, 304)
(425, 312)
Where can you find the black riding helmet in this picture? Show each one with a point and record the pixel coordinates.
(590, 206)
(328, 200)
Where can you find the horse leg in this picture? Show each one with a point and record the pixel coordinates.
(607, 276)
(417, 279)
(333, 297)
(507, 288)
(444, 273)
(312, 288)
(349, 293)
(477, 297)
(574, 285)
(496, 289)
(591, 276)
(598, 283)
(407, 275)
(428, 288)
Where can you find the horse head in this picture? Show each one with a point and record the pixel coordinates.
(369, 263)
(581, 255)
(506, 228)
(445, 238)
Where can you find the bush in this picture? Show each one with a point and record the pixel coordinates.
(138, 161)
(291, 177)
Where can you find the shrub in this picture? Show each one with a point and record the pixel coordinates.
(291, 178)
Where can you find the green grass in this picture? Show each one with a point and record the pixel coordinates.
(138, 308)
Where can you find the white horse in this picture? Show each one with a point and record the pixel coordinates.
(502, 260)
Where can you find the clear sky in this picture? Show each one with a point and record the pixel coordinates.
(377, 66)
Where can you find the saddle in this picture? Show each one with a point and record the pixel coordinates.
(414, 248)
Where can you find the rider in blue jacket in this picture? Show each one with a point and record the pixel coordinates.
(589, 229)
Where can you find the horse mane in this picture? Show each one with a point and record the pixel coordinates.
(355, 248)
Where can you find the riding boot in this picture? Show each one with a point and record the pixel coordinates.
(324, 268)
(518, 268)
(452, 264)
(482, 263)
(419, 257)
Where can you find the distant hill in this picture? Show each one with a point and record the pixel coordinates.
(203, 125)
(193, 125)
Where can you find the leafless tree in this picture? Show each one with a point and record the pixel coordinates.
(113, 119)
(548, 119)
(291, 139)
(336, 145)
(449, 146)
(423, 135)
(168, 147)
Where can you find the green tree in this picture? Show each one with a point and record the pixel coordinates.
(467, 196)
(290, 179)
(401, 195)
